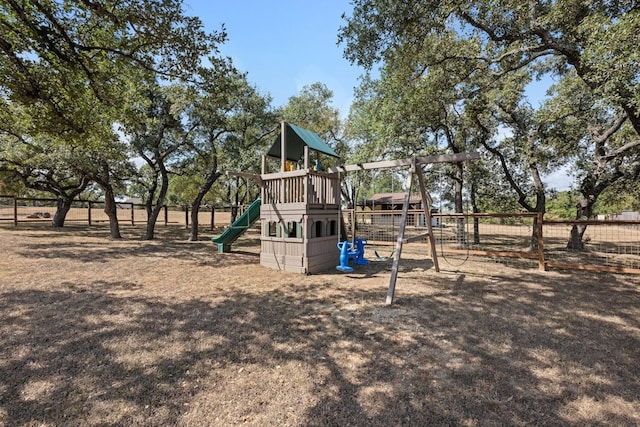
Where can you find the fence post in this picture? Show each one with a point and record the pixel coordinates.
(186, 216)
(15, 211)
(213, 214)
(89, 213)
(133, 208)
(166, 216)
(539, 220)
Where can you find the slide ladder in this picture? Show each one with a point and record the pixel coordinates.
(239, 226)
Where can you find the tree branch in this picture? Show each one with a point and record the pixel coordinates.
(601, 137)
(622, 150)
(486, 29)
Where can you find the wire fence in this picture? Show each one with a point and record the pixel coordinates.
(526, 237)
(509, 238)
(607, 245)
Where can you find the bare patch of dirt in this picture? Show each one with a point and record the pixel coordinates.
(130, 332)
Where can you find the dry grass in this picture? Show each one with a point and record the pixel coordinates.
(102, 332)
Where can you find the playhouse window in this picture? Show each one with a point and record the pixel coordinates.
(332, 228)
(318, 227)
(271, 229)
(294, 230)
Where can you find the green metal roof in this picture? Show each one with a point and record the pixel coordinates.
(297, 138)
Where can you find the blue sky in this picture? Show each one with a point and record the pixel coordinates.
(284, 45)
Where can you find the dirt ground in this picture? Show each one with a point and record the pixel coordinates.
(101, 332)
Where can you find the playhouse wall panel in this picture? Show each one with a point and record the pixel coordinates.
(288, 254)
(283, 254)
(283, 263)
(320, 264)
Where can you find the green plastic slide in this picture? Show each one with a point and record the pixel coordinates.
(239, 226)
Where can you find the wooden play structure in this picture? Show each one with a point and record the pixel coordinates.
(300, 204)
(300, 213)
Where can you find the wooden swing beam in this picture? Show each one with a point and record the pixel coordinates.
(417, 161)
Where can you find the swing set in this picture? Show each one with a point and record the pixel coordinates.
(415, 168)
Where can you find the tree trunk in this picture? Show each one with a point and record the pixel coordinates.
(195, 211)
(211, 178)
(103, 179)
(541, 203)
(155, 209)
(64, 200)
(459, 207)
(63, 205)
(148, 206)
(111, 209)
(584, 211)
(151, 194)
(151, 221)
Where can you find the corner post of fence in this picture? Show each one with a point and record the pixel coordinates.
(15, 211)
(540, 220)
(89, 212)
(213, 215)
(186, 216)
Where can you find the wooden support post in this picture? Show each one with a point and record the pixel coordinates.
(213, 215)
(89, 212)
(15, 211)
(426, 204)
(283, 146)
(186, 216)
(283, 161)
(133, 208)
(306, 183)
(263, 168)
(166, 215)
(399, 242)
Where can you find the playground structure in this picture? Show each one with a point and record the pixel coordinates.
(300, 207)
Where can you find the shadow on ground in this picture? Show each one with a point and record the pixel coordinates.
(466, 351)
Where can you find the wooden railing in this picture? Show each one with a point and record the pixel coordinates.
(308, 187)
